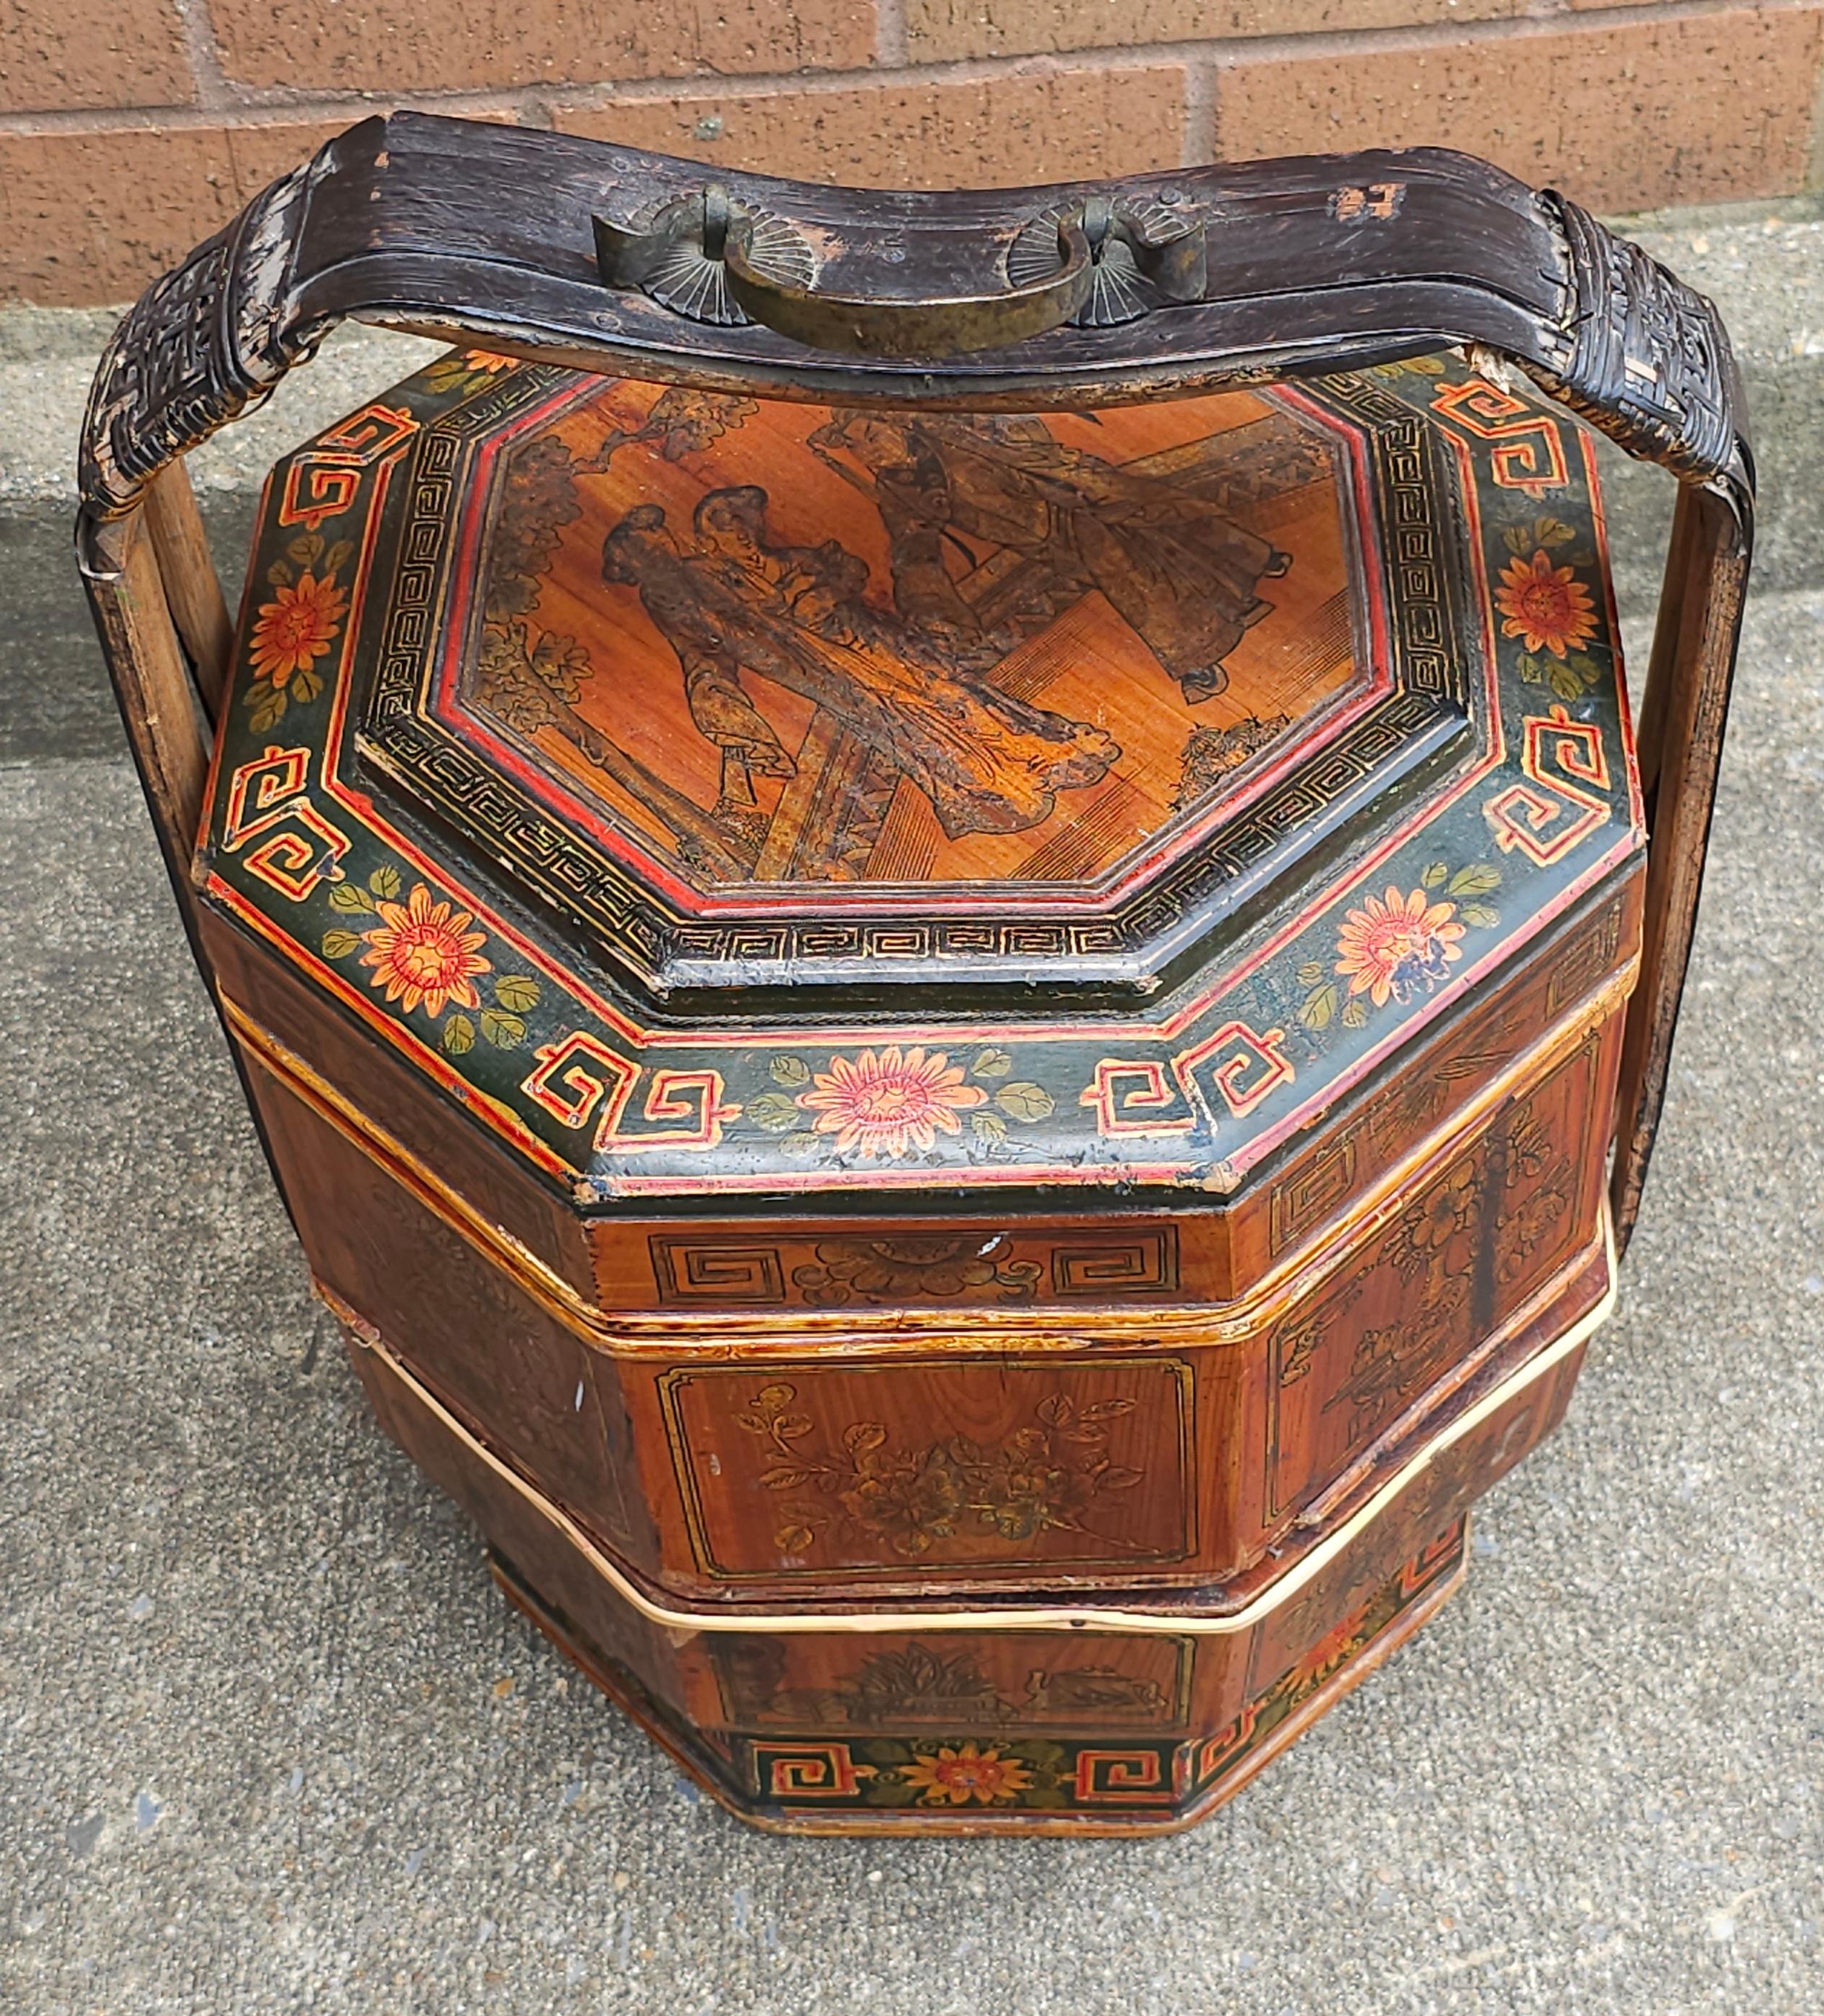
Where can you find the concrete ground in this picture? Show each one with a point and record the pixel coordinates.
(270, 1742)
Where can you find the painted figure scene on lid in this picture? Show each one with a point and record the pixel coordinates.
(770, 644)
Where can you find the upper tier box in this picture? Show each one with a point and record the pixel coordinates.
(719, 796)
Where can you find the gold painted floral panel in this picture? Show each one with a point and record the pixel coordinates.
(934, 1465)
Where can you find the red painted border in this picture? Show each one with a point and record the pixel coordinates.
(891, 900)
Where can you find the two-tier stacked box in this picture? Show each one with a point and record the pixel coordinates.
(954, 1065)
(876, 1010)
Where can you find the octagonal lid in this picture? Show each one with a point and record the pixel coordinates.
(777, 694)
(645, 762)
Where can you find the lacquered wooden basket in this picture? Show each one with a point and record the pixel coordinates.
(941, 910)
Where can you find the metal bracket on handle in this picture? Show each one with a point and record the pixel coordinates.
(1144, 254)
(680, 258)
(1097, 261)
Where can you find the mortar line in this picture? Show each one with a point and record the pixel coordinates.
(1201, 134)
(890, 35)
(201, 47)
(1815, 151)
(272, 105)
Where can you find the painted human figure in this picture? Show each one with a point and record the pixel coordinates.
(1181, 574)
(738, 601)
(735, 600)
(641, 549)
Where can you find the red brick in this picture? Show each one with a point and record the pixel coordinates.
(91, 217)
(59, 56)
(940, 29)
(988, 133)
(395, 46)
(1695, 109)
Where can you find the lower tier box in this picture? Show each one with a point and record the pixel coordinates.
(801, 1459)
(1034, 1713)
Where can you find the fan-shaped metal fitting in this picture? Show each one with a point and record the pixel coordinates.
(679, 257)
(1144, 254)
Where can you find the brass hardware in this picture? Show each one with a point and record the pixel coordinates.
(1144, 255)
(1095, 262)
(941, 326)
(681, 260)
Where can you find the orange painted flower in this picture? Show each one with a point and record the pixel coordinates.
(964, 1775)
(1547, 607)
(420, 952)
(296, 628)
(1394, 945)
(1317, 1664)
(882, 1104)
(466, 370)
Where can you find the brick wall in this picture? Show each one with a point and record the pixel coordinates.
(130, 128)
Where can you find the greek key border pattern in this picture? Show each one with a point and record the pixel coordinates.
(1430, 655)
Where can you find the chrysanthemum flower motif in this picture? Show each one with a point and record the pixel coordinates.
(422, 951)
(883, 1104)
(964, 1775)
(1436, 1220)
(466, 370)
(1547, 607)
(1394, 944)
(296, 628)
